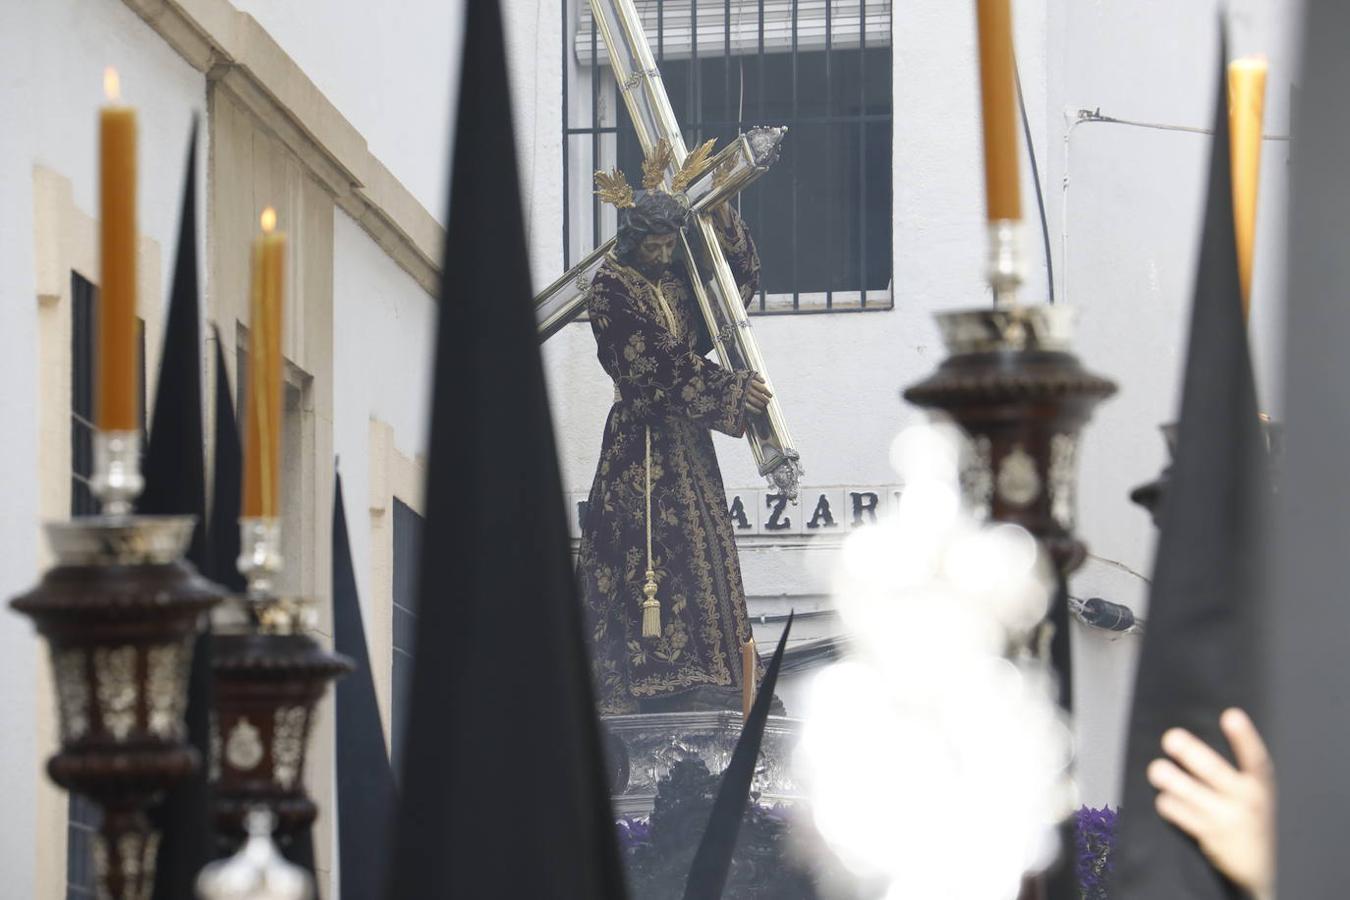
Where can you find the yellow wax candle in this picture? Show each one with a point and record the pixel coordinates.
(749, 671)
(117, 405)
(1246, 114)
(262, 445)
(1002, 183)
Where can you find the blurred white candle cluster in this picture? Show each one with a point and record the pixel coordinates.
(934, 756)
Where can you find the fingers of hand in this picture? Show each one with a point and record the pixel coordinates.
(1181, 814)
(1201, 760)
(1252, 756)
(1171, 781)
(758, 395)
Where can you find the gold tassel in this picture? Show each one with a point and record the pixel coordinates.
(651, 607)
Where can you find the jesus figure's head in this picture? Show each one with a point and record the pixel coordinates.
(649, 231)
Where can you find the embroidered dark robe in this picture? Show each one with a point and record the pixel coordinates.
(651, 340)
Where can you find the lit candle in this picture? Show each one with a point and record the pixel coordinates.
(749, 669)
(1246, 113)
(262, 448)
(997, 86)
(117, 407)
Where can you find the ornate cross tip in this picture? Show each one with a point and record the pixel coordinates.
(613, 188)
(765, 143)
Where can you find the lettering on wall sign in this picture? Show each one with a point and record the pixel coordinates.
(822, 517)
(762, 512)
(864, 507)
(776, 504)
(739, 519)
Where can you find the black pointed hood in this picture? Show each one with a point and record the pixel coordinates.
(712, 862)
(175, 484)
(365, 782)
(503, 789)
(1199, 655)
(175, 472)
(227, 482)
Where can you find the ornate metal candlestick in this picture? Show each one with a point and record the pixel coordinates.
(1013, 384)
(1150, 495)
(269, 676)
(120, 610)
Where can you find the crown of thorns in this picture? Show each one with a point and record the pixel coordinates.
(613, 188)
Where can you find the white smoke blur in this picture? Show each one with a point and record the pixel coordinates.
(935, 757)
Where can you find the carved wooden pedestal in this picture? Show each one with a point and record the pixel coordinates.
(267, 687)
(1012, 384)
(120, 612)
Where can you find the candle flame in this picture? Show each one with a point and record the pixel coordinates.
(269, 220)
(112, 84)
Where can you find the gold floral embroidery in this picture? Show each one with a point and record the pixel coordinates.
(650, 349)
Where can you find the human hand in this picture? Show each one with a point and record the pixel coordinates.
(1229, 812)
(757, 395)
(722, 213)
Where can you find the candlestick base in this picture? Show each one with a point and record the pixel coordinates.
(269, 677)
(117, 480)
(257, 870)
(260, 554)
(1007, 271)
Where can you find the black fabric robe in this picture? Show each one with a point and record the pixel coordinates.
(652, 342)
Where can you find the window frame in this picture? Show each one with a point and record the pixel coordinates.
(395, 478)
(591, 89)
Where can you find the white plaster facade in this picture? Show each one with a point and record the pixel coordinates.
(367, 92)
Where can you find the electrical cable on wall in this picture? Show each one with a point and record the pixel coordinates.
(1036, 180)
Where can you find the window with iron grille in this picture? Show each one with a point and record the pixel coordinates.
(822, 217)
(83, 816)
(407, 550)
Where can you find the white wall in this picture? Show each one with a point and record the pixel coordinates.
(383, 331)
(52, 56)
(1125, 204)
(391, 69)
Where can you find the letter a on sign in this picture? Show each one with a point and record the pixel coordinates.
(739, 518)
(823, 517)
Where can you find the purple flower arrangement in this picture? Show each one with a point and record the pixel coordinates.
(1095, 832)
(1096, 835)
(634, 831)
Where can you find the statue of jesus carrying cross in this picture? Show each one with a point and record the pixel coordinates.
(658, 566)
